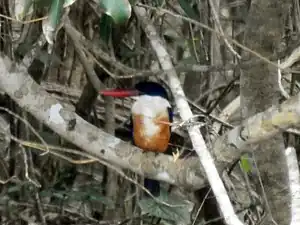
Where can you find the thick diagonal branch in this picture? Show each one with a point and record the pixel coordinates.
(34, 99)
(184, 172)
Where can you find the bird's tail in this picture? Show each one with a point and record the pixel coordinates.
(152, 186)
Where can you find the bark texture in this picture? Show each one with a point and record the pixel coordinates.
(259, 90)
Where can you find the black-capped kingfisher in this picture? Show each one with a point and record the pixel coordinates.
(151, 116)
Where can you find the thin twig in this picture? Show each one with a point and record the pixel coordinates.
(26, 168)
(91, 158)
(220, 29)
(294, 184)
(92, 76)
(40, 208)
(282, 66)
(281, 88)
(28, 125)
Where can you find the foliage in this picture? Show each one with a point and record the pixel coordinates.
(106, 38)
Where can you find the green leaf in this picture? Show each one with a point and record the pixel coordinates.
(132, 2)
(59, 195)
(55, 12)
(246, 164)
(96, 197)
(190, 12)
(49, 25)
(13, 189)
(46, 193)
(24, 7)
(180, 213)
(68, 3)
(105, 28)
(18, 187)
(85, 195)
(118, 10)
(43, 3)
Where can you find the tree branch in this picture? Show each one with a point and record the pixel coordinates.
(294, 183)
(33, 98)
(184, 172)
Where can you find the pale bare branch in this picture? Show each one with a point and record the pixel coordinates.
(34, 99)
(294, 183)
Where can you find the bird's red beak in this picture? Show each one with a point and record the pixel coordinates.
(120, 93)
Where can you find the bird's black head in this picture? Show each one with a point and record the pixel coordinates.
(151, 88)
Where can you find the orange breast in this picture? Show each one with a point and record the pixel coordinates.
(159, 141)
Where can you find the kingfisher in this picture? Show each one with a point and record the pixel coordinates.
(150, 120)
